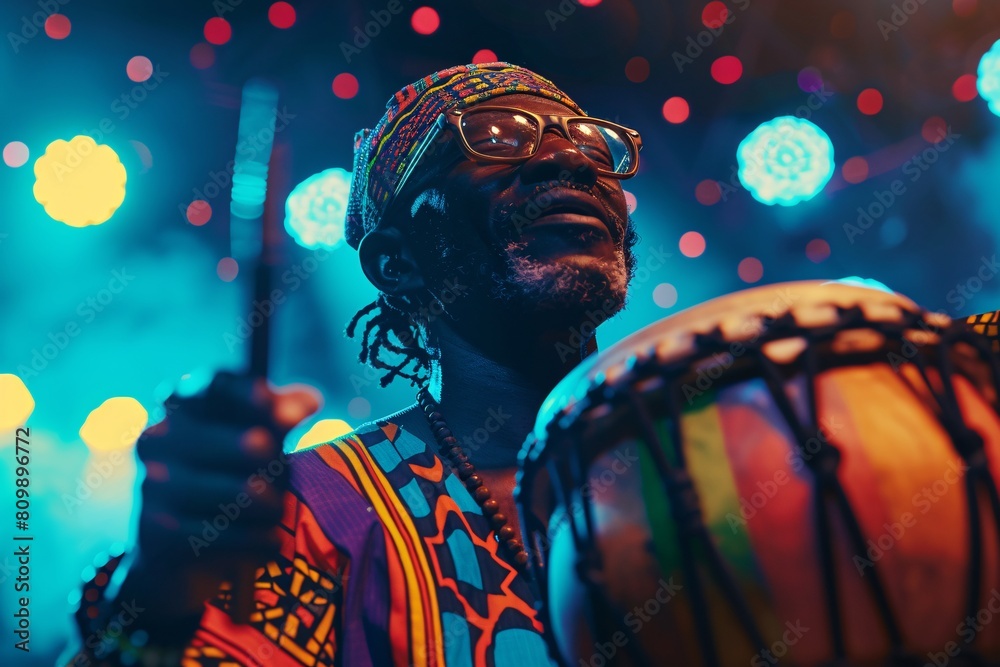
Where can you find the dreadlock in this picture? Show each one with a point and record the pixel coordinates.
(385, 320)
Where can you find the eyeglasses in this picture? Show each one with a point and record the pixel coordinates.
(508, 135)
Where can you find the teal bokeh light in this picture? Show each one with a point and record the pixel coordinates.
(870, 283)
(785, 161)
(317, 208)
(988, 81)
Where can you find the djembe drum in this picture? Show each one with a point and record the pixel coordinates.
(800, 474)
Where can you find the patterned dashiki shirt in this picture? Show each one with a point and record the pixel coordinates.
(386, 560)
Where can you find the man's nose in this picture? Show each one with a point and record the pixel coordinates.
(558, 159)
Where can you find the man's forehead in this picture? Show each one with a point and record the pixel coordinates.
(535, 103)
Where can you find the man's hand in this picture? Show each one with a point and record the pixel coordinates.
(212, 497)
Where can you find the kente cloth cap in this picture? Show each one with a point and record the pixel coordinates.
(382, 154)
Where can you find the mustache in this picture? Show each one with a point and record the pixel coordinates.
(509, 219)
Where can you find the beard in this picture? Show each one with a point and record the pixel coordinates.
(507, 276)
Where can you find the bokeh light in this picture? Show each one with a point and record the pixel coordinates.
(965, 8)
(359, 407)
(79, 182)
(114, 425)
(316, 209)
(676, 110)
(630, 201)
(484, 56)
(227, 269)
(727, 69)
(637, 69)
(965, 88)
(15, 154)
(855, 170)
(843, 24)
(345, 85)
(202, 55)
(139, 68)
(810, 79)
(893, 232)
(17, 404)
(199, 212)
(589, 3)
(692, 244)
(858, 281)
(281, 15)
(750, 270)
(988, 81)
(217, 30)
(665, 295)
(708, 192)
(934, 129)
(870, 101)
(57, 26)
(785, 161)
(714, 15)
(425, 20)
(817, 250)
(144, 154)
(322, 432)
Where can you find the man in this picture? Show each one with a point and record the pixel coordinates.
(492, 221)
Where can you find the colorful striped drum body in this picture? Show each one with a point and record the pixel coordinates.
(763, 489)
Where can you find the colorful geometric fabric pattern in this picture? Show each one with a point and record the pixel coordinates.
(386, 559)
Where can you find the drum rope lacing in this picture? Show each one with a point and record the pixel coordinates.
(824, 465)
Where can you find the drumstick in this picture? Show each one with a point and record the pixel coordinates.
(253, 238)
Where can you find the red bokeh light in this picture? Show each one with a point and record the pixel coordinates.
(727, 69)
(139, 68)
(345, 85)
(750, 270)
(589, 3)
(965, 8)
(425, 20)
(227, 269)
(869, 101)
(817, 250)
(57, 26)
(964, 88)
(934, 129)
(708, 192)
(199, 212)
(484, 56)
(202, 55)
(855, 170)
(637, 69)
(281, 15)
(714, 14)
(217, 31)
(692, 244)
(676, 110)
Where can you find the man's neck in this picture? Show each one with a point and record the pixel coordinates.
(490, 397)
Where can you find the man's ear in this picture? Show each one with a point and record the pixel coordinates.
(388, 262)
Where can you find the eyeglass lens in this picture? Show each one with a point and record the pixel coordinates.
(507, 133)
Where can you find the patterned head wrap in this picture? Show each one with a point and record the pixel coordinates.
(382, 154)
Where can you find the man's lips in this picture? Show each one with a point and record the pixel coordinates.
(570, 207)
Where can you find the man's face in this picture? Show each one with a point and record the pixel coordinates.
(545, 235)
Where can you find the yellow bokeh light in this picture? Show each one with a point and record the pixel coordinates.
(114, 425)
(79, 182)
(16, 403)
(323, 431)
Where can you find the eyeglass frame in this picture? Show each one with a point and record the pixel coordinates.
(452, 119)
